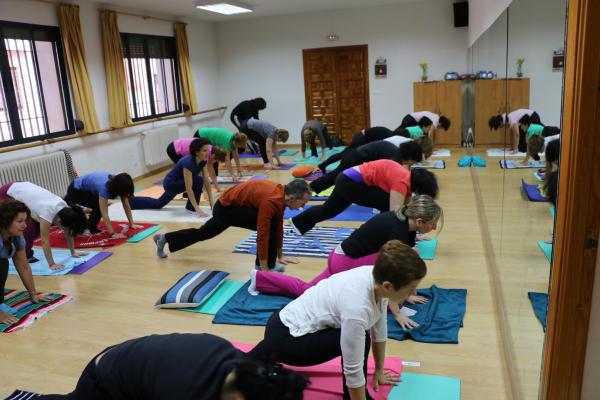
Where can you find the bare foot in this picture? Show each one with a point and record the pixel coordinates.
(6, 318)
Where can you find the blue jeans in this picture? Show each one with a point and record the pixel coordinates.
(172, 189)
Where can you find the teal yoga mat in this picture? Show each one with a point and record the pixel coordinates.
(317, 160)
(289, 153)
(216, 300)
(426, 387)
(138, 237)
(427, 248)
(553, 212)
(546, 249)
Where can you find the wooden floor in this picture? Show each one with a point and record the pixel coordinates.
(114, 301)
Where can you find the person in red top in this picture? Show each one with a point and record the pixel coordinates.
(256, 205)
(380, 184)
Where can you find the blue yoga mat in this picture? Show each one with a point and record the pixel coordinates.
(427, 248)
(439, 320)
(426, 387)
(317, 160)
(546, 249)
(532, 192)
(61, 256)
(539, 302)
(515, 164)
(352, 213)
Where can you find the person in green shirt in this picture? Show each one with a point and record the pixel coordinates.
(534, 136)
(227, 140)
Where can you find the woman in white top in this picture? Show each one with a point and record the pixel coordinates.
(423, 118)
(512, 122)
(334, 318)
(47, 209)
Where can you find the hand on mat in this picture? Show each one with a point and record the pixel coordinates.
(56, 266)
(36, 298)
(405, 322)
(381, 377)
(413, 299)
(285, 260)
(6, 318)
(135, 226)
(201, 213)
(118, 236)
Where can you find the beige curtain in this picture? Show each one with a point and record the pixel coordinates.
(116, 84)
(83, 96)
(185, 71)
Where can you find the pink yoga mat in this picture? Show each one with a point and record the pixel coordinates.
(326, 378)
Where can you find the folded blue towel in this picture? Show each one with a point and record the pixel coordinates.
(532, 192)
(426, 248)
(352, 213)
(539, 301)
(439, 320)
(546, 249)
(479, 162)
(465, 161)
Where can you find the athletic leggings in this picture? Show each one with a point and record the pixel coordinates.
(224, 217)
(32, 228)
(88, 387)
(350, 158)
(345, 193)
(357, 140)
(173, 154)
(3, 277)
(172, 189)
(286, 285)
(258, 138)
(86, 199)
(310, 349)
(407, 121)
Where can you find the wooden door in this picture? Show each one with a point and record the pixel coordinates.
(489, 101)
(425, 97)
(518, 94)
(449, 105)
(336, 85)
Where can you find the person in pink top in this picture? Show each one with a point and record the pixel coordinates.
(180, 148)
(380, 184)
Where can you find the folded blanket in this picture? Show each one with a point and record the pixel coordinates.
(27, 311)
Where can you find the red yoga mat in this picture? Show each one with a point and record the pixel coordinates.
(326, 378)
(102, 239)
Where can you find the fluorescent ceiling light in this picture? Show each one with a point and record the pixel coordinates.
(224, 7)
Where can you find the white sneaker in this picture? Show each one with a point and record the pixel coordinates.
(252, 288)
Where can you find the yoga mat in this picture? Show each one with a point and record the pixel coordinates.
(538, 177)
(138, 237)
(316, 174)
(504, 153)
(257, 155)
(256, 167)
(217, 299)
(288, 153)
(317, 160)
(533, 192)
(324, 195)
(514, 164)
(228, 180)
(539, 302)
(553, 212)
(102, 239)
(169, 213)
(426, 387)
(22, 395)
(352, 213)
(441, 153)
(27, 311)
(318, 242)
(546, 249)
(436, 164)
(86, 266)
(61, 256)
(326, 378)
(426, 248)
(439, 320)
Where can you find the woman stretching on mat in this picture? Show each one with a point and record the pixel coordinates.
(228, 141)
(381, 184)
(535, 135)
(47, 209)
(94, 190)
(188, 176)
(13, 222)
(361, 248)
(511, 121)
(417, 117)
(267, 136)
(338, 316)
(407, 154)
(310, 131)
(180, 148)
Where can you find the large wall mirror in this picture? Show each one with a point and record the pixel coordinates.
(516, 114)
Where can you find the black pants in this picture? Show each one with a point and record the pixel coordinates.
(173, 154)
(357, 140)
(345, 193)
(310, 349)
(258, 138)
(223, 218)
(350, 158)
(407, 121)
(88, 387)
(327, 143)
(86, 199)
(3, 277)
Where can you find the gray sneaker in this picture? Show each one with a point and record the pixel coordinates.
(160, 242)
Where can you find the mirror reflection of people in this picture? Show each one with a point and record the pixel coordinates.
(311, 130)
(437, 121)
(535, 135)
(512, 122)
(181, 366)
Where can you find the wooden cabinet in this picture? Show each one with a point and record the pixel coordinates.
(443, 98)
(494, 97)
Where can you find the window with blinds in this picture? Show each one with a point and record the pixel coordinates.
(152, 76)
(34, 92)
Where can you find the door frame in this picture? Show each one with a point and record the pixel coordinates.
(578, 214)
(365, 50)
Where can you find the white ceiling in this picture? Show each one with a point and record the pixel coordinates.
(262, 8)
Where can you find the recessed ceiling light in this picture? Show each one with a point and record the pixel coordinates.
(224, 7)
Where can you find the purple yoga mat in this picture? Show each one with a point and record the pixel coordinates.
(287, 166)
(256, 155)
(91, 263)
(316, 174)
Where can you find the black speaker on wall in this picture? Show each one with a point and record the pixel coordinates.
(461, 14)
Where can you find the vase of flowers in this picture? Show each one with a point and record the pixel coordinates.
(520, 62)
(423, 71)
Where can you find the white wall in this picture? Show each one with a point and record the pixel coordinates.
(591, 373)
(263, 56)
(120, 150)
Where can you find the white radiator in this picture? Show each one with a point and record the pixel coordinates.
(53, 171)
(155, 142)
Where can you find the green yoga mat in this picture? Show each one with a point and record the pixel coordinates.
(138, 237)
(217, 299)
(426, 387)
(427, 248)
(546, 249)
(289, 153)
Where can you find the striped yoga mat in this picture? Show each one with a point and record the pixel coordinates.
(26, 310)
(192, 289)
(318, 242)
